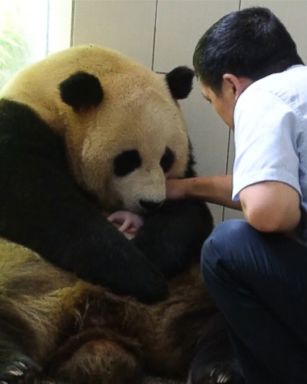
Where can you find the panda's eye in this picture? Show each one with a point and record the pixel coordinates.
(167, 160)
(126, 162)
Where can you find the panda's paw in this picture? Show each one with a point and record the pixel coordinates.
(22, 370)
(216, 373)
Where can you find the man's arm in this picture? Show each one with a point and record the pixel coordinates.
(271, 206)
(212, 189)
(267, 206)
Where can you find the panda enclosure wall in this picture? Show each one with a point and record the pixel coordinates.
(162, 34)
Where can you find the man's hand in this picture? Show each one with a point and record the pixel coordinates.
(211, 189)
(176, 189)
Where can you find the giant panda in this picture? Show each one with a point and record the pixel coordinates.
(82, 132)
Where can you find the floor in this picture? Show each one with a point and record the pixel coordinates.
(150, 380)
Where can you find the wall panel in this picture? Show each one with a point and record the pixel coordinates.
(125, 25)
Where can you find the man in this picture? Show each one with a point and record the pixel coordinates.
(256, 269)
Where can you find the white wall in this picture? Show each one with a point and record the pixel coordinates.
(162, 34)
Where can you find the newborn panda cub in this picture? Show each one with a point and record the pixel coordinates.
(126, 222)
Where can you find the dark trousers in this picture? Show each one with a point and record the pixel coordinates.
(259, 282)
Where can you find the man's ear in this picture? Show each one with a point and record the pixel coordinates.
(235, 84)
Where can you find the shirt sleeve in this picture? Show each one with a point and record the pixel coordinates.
(265, 142)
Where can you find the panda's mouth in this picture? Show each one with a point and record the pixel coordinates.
(141, 206)
(150, 205)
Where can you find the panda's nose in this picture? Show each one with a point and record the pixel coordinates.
(150, 205)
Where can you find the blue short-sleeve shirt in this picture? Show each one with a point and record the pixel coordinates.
(270, 127)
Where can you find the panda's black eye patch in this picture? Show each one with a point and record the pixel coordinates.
(167, 160)
(126, 162)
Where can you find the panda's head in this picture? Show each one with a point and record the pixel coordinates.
(121, 123)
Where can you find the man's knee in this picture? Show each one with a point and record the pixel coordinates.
(226, 243)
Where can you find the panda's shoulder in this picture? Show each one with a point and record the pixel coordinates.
(22, 127)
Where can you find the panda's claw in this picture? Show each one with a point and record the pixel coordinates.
(17, 369)
(19, 372)
(216, 373)
(223, 378)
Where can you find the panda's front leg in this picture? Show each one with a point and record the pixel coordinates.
(172, 236)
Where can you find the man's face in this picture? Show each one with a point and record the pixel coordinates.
(223, 103)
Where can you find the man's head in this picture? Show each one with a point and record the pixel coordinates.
(240, 48)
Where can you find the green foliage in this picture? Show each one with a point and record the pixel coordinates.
(14, 54)
(14, 50)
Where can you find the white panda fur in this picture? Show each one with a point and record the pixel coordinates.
(136, 103)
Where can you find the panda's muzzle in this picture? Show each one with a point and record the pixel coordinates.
(149, 205)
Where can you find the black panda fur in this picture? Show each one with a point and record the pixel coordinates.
(44, 209)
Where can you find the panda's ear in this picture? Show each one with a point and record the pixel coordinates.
(180, 82)
(81, 90)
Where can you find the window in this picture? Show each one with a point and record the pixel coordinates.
(31, 29)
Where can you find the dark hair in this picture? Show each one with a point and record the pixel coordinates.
(252, 43)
